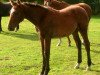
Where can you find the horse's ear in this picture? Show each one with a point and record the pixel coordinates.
(18, 2)
(12, 2)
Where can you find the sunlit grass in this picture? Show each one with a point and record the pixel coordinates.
(20, 52)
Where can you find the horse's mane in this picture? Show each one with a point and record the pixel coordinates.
(33, 5)
(47, 8)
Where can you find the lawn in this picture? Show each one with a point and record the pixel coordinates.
(20, 52)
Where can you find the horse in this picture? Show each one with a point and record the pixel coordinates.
(60, 5)
(4, 11)
(56, 4)
(53, 23)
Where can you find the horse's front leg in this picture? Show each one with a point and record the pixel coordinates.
(46, 55)
(43, 63)
(0, 24)
(78, 44)
(47, 44)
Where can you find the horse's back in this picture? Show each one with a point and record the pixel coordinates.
(76, 11)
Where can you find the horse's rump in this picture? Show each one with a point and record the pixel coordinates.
(77, 12)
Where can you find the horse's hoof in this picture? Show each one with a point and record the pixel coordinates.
(77, 66)
(83, 42)
(92, 63)
(88, 69)
(40, 74)
(16, 30)
(69, 45)
(58, 44)
(1, 31)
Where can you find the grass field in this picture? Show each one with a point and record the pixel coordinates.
(20, 52)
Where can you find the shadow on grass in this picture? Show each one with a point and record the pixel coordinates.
(95, 51)
(95, 44)
(96, 70)
(90, 70)
(31, 36)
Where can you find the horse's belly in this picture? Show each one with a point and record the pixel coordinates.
(62, 32)
(60, 26)
(64, 28)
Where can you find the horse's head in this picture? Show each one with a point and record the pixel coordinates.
(16, 15)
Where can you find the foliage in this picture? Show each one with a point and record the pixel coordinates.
(20, 52)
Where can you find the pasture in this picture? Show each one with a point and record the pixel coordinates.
(20, 52)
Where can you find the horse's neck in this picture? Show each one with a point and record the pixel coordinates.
(35, 15)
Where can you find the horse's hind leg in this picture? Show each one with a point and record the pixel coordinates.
(59, 43)
(47, 43)
(69, 41)
(43, 64)
(0, 24)
(46, 55)
(87, 46)
(78, 44)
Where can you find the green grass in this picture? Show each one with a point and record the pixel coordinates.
(20, 52)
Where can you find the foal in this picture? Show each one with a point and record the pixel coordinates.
(61, 4)
(74, 19)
